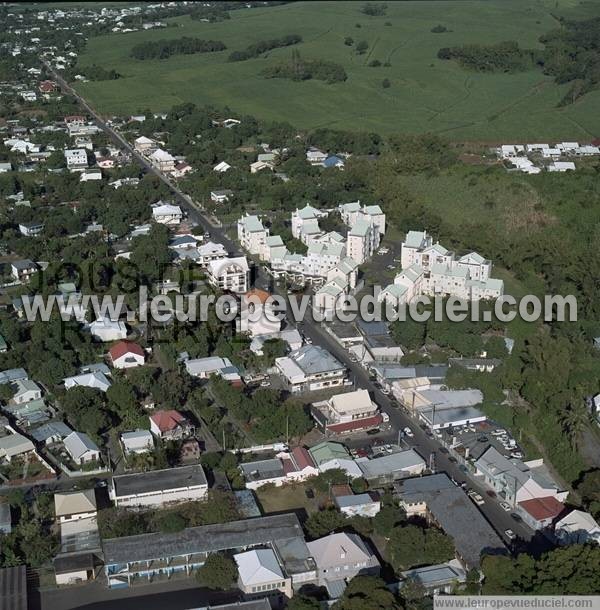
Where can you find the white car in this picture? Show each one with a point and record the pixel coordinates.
(505, 506)
(408, 432)
(510, 535)
(477, 498)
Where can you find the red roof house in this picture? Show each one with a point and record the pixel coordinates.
(126, 354)
(541, 512)
(47, 86)
(170, 425)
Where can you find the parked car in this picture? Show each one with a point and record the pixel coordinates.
(510, 535)
(452, 459)
(505, 506)
(373, 431)
(516, 516)
(443, 450)
(408, 432)
(491, 493)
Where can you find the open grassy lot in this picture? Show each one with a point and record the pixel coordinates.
(426, 94)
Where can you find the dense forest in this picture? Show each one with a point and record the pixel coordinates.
(299, 69)
(254, 50)
(163, 49)
(501, 57)
(571, 55)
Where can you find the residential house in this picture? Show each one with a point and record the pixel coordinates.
(206, 367)
(29, 413)
(222, 167)
(166, 214)
(31, 229)
(88, 175)
(221, 196)
(437, 579)
(209, 252)
(138, 441)
(159, 488)
(182, 168)
(577, 527)
(540, 513)
(15, 446)
(25, 390)
(126, 354)
(229, 274)
(334, 456)
(22, 270)
(11, 375)
(81, 448)
(315, 157)
(258, 166)
(75, 505)
(170, 425)
(361, 505)
(260, 575)
(310, 368)
(258, 316)
(393, 467)
(342, 556)
(344, 413)
(106, 330)
(96, 379)
(50, 433)
(263, 472)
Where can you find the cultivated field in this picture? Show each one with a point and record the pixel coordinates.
(426, 94)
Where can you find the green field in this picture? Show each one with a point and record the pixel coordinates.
(426, 94)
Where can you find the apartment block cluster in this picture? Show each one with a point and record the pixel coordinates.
(430, 269)
(533, 158)
(331, 262)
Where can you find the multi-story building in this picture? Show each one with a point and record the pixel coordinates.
(430, 269)
(76, 159)
(162, 160)
(352, 212)
(363, 240)
(252, 235)
(229, 274)
(311, 368)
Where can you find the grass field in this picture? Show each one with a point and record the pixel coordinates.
(426, 95)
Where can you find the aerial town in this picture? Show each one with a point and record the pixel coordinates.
(263, 461)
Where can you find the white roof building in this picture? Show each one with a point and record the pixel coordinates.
(108, 330)
(14, 445)
(96, 379)
(81, 448)
(167, 214)
(259, 571)
(578, 527)
(138, 441)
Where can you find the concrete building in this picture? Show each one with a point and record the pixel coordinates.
(138, 559)
(347, 412)
(159, 488)
(393, 467)
(76, 159)
(310, 368)
(137, 442)
(251, 234)
(229, 274)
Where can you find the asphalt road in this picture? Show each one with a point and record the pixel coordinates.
(425, 445)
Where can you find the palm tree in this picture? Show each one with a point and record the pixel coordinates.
(573, 422)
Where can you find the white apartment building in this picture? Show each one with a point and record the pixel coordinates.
(229, 274)
(252, 235)
(211, 251)
(76, 159)
(363, 240)
(305, 223)
(311, 368)
(162, 160)
(430, 269)
(352, 212)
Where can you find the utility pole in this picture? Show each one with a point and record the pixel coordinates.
(223, 439)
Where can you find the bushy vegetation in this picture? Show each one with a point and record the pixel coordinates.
(96, 73)
(254, 50)
(572, 55)
(374, 9)
(300, 69)
(163, 49)
(501, 57)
